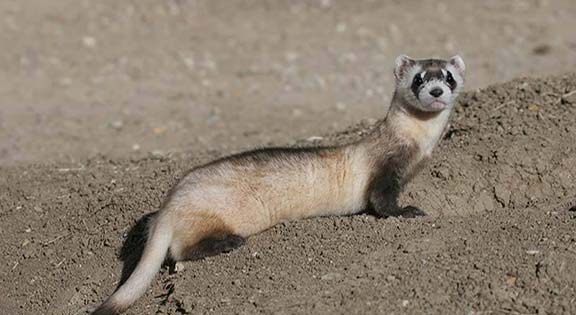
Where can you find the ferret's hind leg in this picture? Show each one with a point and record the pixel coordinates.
(213, 245)
(199, 234)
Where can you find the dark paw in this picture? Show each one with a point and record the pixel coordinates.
(412, 212)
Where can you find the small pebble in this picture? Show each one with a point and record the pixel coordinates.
(117, 124)
(89, 41)
(534, 108)
(159, 130)
(157, 154)
(179, 267)
(511, 279)
(314, 138)
(331, 276)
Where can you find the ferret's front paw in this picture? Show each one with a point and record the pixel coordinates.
(412, 212)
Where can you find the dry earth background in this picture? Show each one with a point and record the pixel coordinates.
(103, 104)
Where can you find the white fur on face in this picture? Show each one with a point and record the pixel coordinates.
(429, 103)
(403, 86)
(425, 101)
(406, 81)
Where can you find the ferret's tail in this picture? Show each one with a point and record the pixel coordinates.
(153, 256)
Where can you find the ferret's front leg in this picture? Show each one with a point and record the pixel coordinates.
(384, 198)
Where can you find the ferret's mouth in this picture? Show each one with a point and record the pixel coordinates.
(436, 105)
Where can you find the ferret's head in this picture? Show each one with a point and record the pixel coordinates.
(428, 85)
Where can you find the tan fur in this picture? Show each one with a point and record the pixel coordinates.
(247, 198)
(193, 226)
(248, 193)
(425, 131)
(243, 197)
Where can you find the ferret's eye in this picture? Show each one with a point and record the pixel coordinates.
(450, 80)
(417, 80)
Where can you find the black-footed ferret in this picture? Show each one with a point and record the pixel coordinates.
(216, 206)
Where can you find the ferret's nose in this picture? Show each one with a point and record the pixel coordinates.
(436, 92)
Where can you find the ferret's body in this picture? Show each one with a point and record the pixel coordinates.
(216, 206)
(254, 191)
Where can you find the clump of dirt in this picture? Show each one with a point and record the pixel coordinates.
(501, 191)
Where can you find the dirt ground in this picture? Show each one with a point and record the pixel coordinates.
(501, 194)
(103, 105)
(80, 78)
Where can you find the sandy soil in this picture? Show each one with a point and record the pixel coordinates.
(104, 104)
(80, 78)
(501, 194)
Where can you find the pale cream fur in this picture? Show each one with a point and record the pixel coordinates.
(249, 198)
(247, 194)
(426, 133)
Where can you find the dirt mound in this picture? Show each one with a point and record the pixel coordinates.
(500, 237)
(125, 78)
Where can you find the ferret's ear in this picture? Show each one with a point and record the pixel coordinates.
(458, 63)
(402, 64)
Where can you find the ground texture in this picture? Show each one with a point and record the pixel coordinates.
(105, 104)
(130, 78)
(499, 238)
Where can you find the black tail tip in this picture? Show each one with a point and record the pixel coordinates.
(108, 308)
